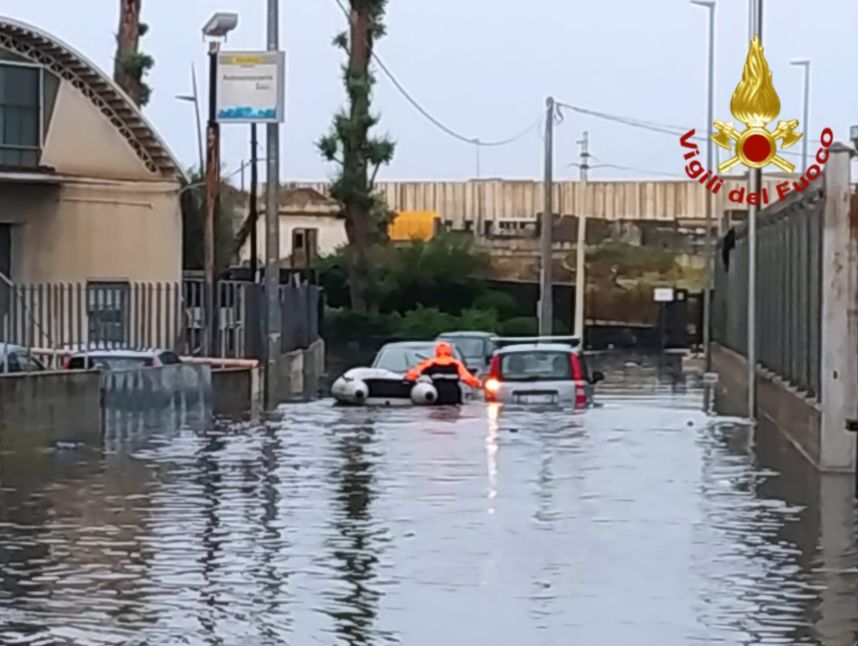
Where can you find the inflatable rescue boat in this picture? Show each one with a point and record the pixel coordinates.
(378, 387)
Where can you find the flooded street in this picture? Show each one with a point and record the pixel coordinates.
(639, 522)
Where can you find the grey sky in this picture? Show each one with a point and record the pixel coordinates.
(484, 67)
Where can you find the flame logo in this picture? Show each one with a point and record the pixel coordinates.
(755, 101)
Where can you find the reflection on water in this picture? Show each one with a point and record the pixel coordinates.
(642, 521)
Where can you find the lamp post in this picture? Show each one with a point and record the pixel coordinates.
(805, 63)
(756, 177)
(194, 98)
(216, 29)
(707, 293)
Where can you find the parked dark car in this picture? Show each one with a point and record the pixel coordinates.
(120, 359)
(16, 358)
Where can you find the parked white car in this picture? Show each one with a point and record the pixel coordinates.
(541, 370)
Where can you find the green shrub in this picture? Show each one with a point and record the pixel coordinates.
(346, 324)
(425, 323)
(520, 326)
(501, 302)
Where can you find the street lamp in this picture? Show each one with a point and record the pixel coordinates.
(195, 99)
(805, 63)
(710, 270)
(216, 29)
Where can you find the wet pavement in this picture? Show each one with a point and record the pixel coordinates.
(640, 522)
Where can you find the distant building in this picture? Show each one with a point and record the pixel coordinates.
(310, 226)
(88, 191)
(504, 207)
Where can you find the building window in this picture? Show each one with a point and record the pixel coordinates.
(20, 115)
(107, 312)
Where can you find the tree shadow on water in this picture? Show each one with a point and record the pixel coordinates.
(354, 545)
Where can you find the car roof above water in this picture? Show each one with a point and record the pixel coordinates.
(532, 347)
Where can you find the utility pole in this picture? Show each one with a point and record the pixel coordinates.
(756, 178)
(710, 258)
(272, 231)
(254, 189)
(581, 249)
(546, 296)
(212, 204)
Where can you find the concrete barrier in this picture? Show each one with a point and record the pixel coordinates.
(301, 372)
(236, 392)
(174, 395)
(797, 417)
(43, 408)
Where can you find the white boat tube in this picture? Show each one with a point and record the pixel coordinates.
(423, 394)
(352, 387)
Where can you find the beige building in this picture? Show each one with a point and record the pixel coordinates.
(88, 191)
(90, 213)
(309, 225)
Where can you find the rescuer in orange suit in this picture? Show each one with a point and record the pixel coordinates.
(443, 363)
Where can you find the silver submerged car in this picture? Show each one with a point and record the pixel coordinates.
(541, 371)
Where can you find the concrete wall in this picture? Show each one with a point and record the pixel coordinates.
(497, 199)
(91, 230)
(798, 417)
(236, 392)
(301, 372)
(40, 409)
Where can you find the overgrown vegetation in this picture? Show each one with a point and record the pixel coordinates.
(193, 223)
(130, 64)
(423, 288)
(359, 155)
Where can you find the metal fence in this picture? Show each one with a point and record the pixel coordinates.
(154, 315)
(789, 291)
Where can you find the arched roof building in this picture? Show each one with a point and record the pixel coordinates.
(88, 190)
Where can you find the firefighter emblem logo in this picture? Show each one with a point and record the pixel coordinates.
(755, 104)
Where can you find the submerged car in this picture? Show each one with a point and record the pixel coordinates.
(477, 347)
(384, 383)
(120, 359)
(16, 359)
(541, 371)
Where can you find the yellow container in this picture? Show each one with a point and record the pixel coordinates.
(413, 225)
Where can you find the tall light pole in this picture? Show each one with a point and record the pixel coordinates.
(216, 29)
(194, 98)
(756, 29)
(546, 295)
(272, 231)
(710, 270)
(581, 249)
(805, 63)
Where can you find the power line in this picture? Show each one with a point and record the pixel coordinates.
(475, 141)
(652, 126)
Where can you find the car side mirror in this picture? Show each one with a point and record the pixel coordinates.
(598, 376)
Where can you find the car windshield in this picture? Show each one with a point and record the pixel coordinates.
(536, 365)
(471, 347)
(404, 358)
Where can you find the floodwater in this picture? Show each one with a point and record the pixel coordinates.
(641, 522)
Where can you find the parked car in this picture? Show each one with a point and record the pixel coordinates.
(541, 371)
(402, 356)
(16, 358)
(120, 359)
(477, 347)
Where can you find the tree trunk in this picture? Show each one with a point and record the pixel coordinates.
(355, 167)
(127, 43)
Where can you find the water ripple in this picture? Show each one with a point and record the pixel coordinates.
(642, 521)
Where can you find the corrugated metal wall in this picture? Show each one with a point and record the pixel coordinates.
(498, 200)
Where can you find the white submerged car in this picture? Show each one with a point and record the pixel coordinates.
(541, 370)
(384, 383)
